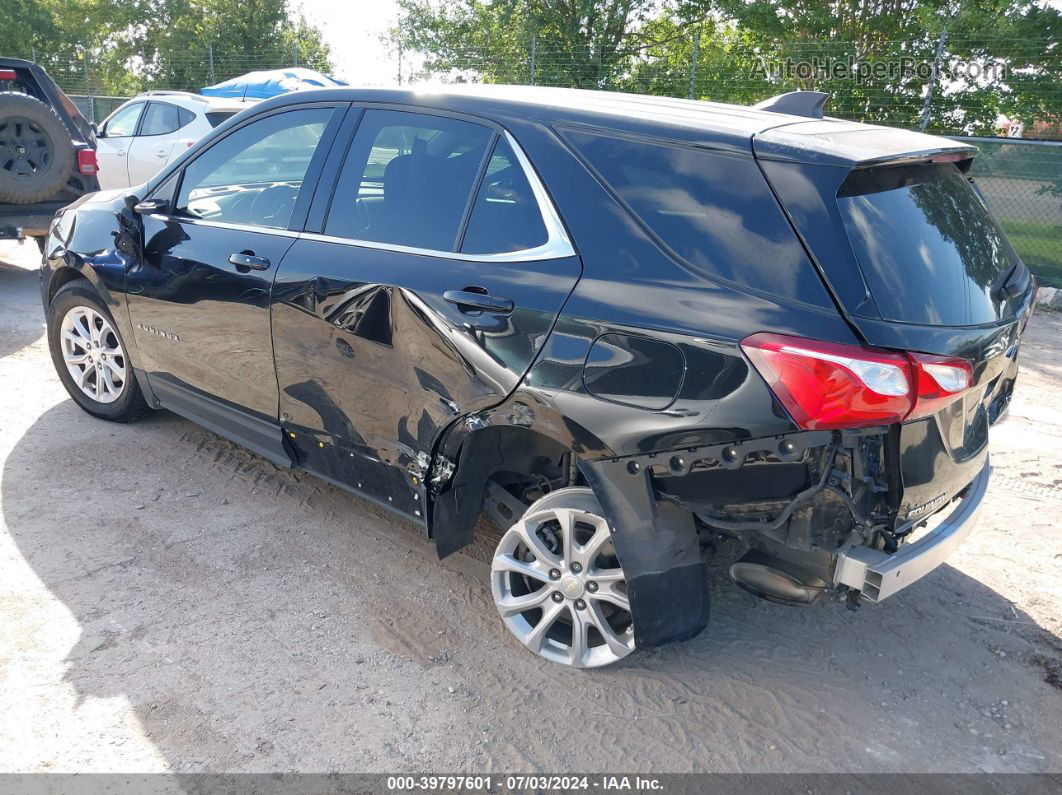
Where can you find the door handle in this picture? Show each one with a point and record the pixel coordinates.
(468, 300)
(160, 153)
(247, 261)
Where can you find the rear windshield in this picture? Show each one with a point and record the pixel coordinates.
(216, 117)
(712, 209)
(929, 249)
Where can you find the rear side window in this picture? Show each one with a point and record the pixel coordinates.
(506, 216)
(714, 210)
(407, 179)
(216, 117)
(927, 245)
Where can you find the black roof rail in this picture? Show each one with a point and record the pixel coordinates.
(796, 103)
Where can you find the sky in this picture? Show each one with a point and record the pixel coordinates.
(352, 28)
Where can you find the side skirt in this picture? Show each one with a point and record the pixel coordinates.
(256, 434)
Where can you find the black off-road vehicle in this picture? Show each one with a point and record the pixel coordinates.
(47, 150)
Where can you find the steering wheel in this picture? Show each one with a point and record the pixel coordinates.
(275, 203)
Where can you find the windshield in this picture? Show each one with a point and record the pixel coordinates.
(928, 247)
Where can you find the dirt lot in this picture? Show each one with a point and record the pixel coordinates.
(169, 601)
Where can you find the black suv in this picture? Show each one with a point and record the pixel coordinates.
(618, 326)
(47, 150)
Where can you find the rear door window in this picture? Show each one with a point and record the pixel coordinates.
(712, 209)
(506, 215)
(407, 179)
(160, 119)
(928, 247)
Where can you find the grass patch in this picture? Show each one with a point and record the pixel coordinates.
(1040, 245)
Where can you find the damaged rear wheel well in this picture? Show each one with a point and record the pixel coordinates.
(523, 462)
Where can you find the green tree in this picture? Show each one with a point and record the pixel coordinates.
(582, 43)
(121, 48)
(1021, 36)
(26, 26)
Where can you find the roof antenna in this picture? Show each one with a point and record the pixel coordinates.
(796, 103)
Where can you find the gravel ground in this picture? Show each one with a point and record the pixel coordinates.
(171, 602)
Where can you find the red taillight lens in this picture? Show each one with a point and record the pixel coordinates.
(826, 385)
(938, 381)
(7, 74)
(86, 161)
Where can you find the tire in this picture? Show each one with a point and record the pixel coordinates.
(36, 153)
(558, 585)
(84, 339)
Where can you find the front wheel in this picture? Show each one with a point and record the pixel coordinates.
(558, 584)
(90, 357)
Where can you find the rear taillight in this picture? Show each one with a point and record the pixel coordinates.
(826, 385)
(7, 74)
(86, 161)
(938, 381)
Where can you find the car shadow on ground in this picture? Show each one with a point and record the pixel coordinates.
(257, 619)
(16, 281)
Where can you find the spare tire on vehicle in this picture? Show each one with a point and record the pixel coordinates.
(36, 153)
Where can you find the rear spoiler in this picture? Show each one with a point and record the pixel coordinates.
(834, 142)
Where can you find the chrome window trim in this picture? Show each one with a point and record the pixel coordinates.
(269, 230)
(557, 245)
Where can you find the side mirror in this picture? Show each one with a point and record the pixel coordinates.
(150, 206)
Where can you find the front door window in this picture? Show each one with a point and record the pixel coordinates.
(253, 176)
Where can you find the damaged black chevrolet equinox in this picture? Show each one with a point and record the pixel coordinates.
(618, 326)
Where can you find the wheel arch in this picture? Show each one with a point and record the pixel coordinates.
(63, 276)
(656, 541)
(525, 435)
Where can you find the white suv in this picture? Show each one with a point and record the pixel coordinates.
(150, 130)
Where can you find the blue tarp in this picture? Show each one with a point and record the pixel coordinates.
(263, 85)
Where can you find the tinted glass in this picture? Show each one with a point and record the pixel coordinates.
(714, 210)
(407, 179)
(123, 123)
(506, 216)
(216, 117)
(184, 117)
(928, 247)
(160, 119)
(253, 176)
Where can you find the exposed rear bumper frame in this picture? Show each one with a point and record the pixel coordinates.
(878, 575)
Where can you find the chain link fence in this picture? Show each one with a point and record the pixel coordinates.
(1022, 182)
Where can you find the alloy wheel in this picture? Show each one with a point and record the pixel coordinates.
(25, 149)
(558, 584)
(93, 354)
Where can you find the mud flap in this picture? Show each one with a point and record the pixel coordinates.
(657, 545)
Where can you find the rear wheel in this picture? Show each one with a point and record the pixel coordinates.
(90, 356)
(558, 584)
